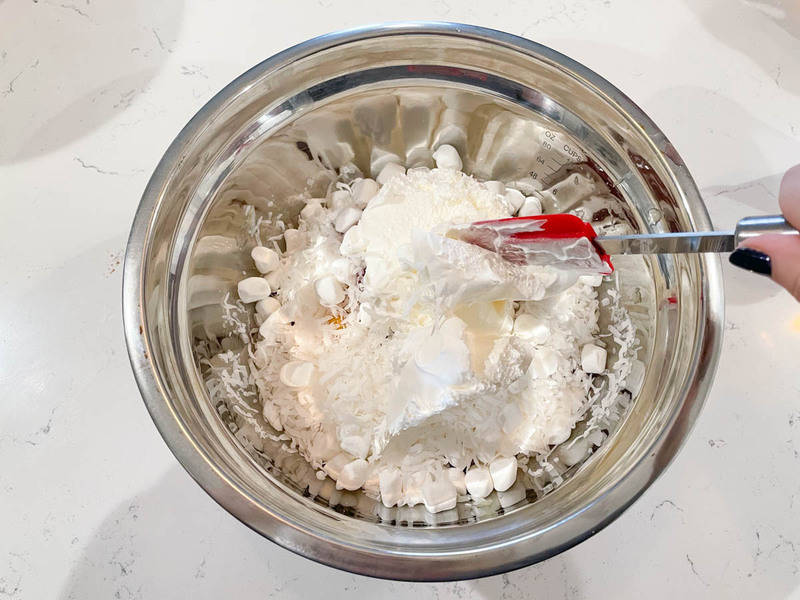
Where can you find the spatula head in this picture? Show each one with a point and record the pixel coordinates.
(563, 241)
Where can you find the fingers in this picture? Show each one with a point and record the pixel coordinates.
(777, 255)
(789, 197)
(774, 254)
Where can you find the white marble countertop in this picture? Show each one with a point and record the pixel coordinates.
(93, 504)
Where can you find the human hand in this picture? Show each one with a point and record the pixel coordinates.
(774, 254)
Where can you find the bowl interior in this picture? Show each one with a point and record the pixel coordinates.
(521, 113)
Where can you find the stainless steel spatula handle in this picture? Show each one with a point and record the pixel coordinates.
(695, 241)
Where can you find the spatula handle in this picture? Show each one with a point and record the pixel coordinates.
(750, 227)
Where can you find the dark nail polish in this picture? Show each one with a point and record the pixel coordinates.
(752, 260)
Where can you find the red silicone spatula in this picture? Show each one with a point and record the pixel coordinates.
(570, 243)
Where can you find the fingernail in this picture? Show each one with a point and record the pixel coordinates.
(751, 260)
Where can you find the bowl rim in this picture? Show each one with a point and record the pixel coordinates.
(495, 559)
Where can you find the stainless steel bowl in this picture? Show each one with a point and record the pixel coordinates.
(271, 138)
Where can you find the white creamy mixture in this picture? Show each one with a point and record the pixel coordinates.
(411, 365)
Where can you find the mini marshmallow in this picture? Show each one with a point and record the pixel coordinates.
(363, 316)
(592, 280)
(412, 488)
(439, 495)
(335, 465)
(274, 323)
(514, 199)
(593, 358)
(531, 207)
(544, 363)
(342, 269)
(447, 157)
(380, 158)
(267, 306)
(357, 445)
(498, 187)
(479, 482)
(364, 190)
(504, 472)
(353, 475)
(390, 482)
(297, 373)
(390, 171)
(266, 259)
(329, 290)
(371, 485)
(456, 477)
(313, 209)
(294, 240)
(339, 199)
(253, 289)
(274, 279)
(353, 242)
(346, 218)
(529, 327)
(509, 498)
(325, 444)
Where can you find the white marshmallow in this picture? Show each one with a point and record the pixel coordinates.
(498, 187)
(353, 242)
(294, 240)
(339, 199)
(504, 472)
(439, 495)
(297, 373)
(364, 190)
(531, 207)
(479, 482)
(390, 482)
(266, 259)
(274, 323)
(335, 465)
(529, 327)
(253, 289)
(363, 316)
(544, 363)
(447, 157)
(274, 279)
(313, 209)
(592, 280)
(390, 171)
(353, 475)
(456, 477)
(371, 484)
(266, 307)
(346, 218)
(380, 158)
(357, 445)
(509, 498)
(514, 199)
(325, 444)
(593, 358)
(329, 291)
(412, 488)
(342, 269)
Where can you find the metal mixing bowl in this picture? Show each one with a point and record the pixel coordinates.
(273, 137)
